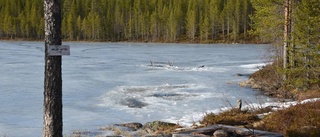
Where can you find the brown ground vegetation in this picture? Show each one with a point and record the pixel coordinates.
(234, 117)
(295, 121)
(270, 81)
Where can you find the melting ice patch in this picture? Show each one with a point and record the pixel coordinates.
(254, 67)
(209, 69)
(142, 96)
(201, 68)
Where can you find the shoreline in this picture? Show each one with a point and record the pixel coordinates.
(272, 107)
(141, 41)
(156, 128)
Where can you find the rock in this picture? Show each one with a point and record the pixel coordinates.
(133, 126)
(220, 133)
(203, 132)
(242, 132)
(157, 125)
(133, 103)
(250, 83)
(229, 82)
(230, 122)
(239, 74)
(158, 136)
(239, 104)
(244, 83)
(259, 124)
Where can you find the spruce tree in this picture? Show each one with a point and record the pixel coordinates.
(305, 72)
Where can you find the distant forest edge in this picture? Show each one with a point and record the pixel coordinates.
(205, 21)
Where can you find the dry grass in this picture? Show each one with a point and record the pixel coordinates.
(299, 120)
(231, 117)
(302, 95)
(296, 121)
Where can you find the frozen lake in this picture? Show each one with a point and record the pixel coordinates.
(108, 83)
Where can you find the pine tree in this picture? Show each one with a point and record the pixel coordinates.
(79, 32)
(70, 21)
(268, 21)
(86, 29)
(245, 17)
(204, 22)
(214, 12)
(191, 21)
(236, 19)
(154, 19)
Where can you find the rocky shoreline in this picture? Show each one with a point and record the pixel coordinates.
(250, 83)
(226, 128)
(220, 129)
(259, 86)
(165, 129)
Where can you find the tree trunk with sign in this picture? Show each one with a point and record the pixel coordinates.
(52, 115)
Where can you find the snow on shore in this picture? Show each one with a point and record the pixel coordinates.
(194, 118)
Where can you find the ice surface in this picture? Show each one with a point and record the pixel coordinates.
(102, 82)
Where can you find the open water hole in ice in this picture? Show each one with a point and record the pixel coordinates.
(108, 83)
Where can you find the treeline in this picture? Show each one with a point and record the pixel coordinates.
(132, 20)
(21, 19)
(293, 26)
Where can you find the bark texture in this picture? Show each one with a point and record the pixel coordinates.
(52, 115)
(287, 32)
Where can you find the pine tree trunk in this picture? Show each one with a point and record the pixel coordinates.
(286, 33)
(52, 115)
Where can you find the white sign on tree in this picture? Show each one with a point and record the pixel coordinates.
(58, 50)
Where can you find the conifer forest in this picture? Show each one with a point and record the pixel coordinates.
(132, 20)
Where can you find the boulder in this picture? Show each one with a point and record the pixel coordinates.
(133, 126)
(133, 103)
(220, 133)
(158, 125)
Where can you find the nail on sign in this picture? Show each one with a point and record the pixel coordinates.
(58, 50)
